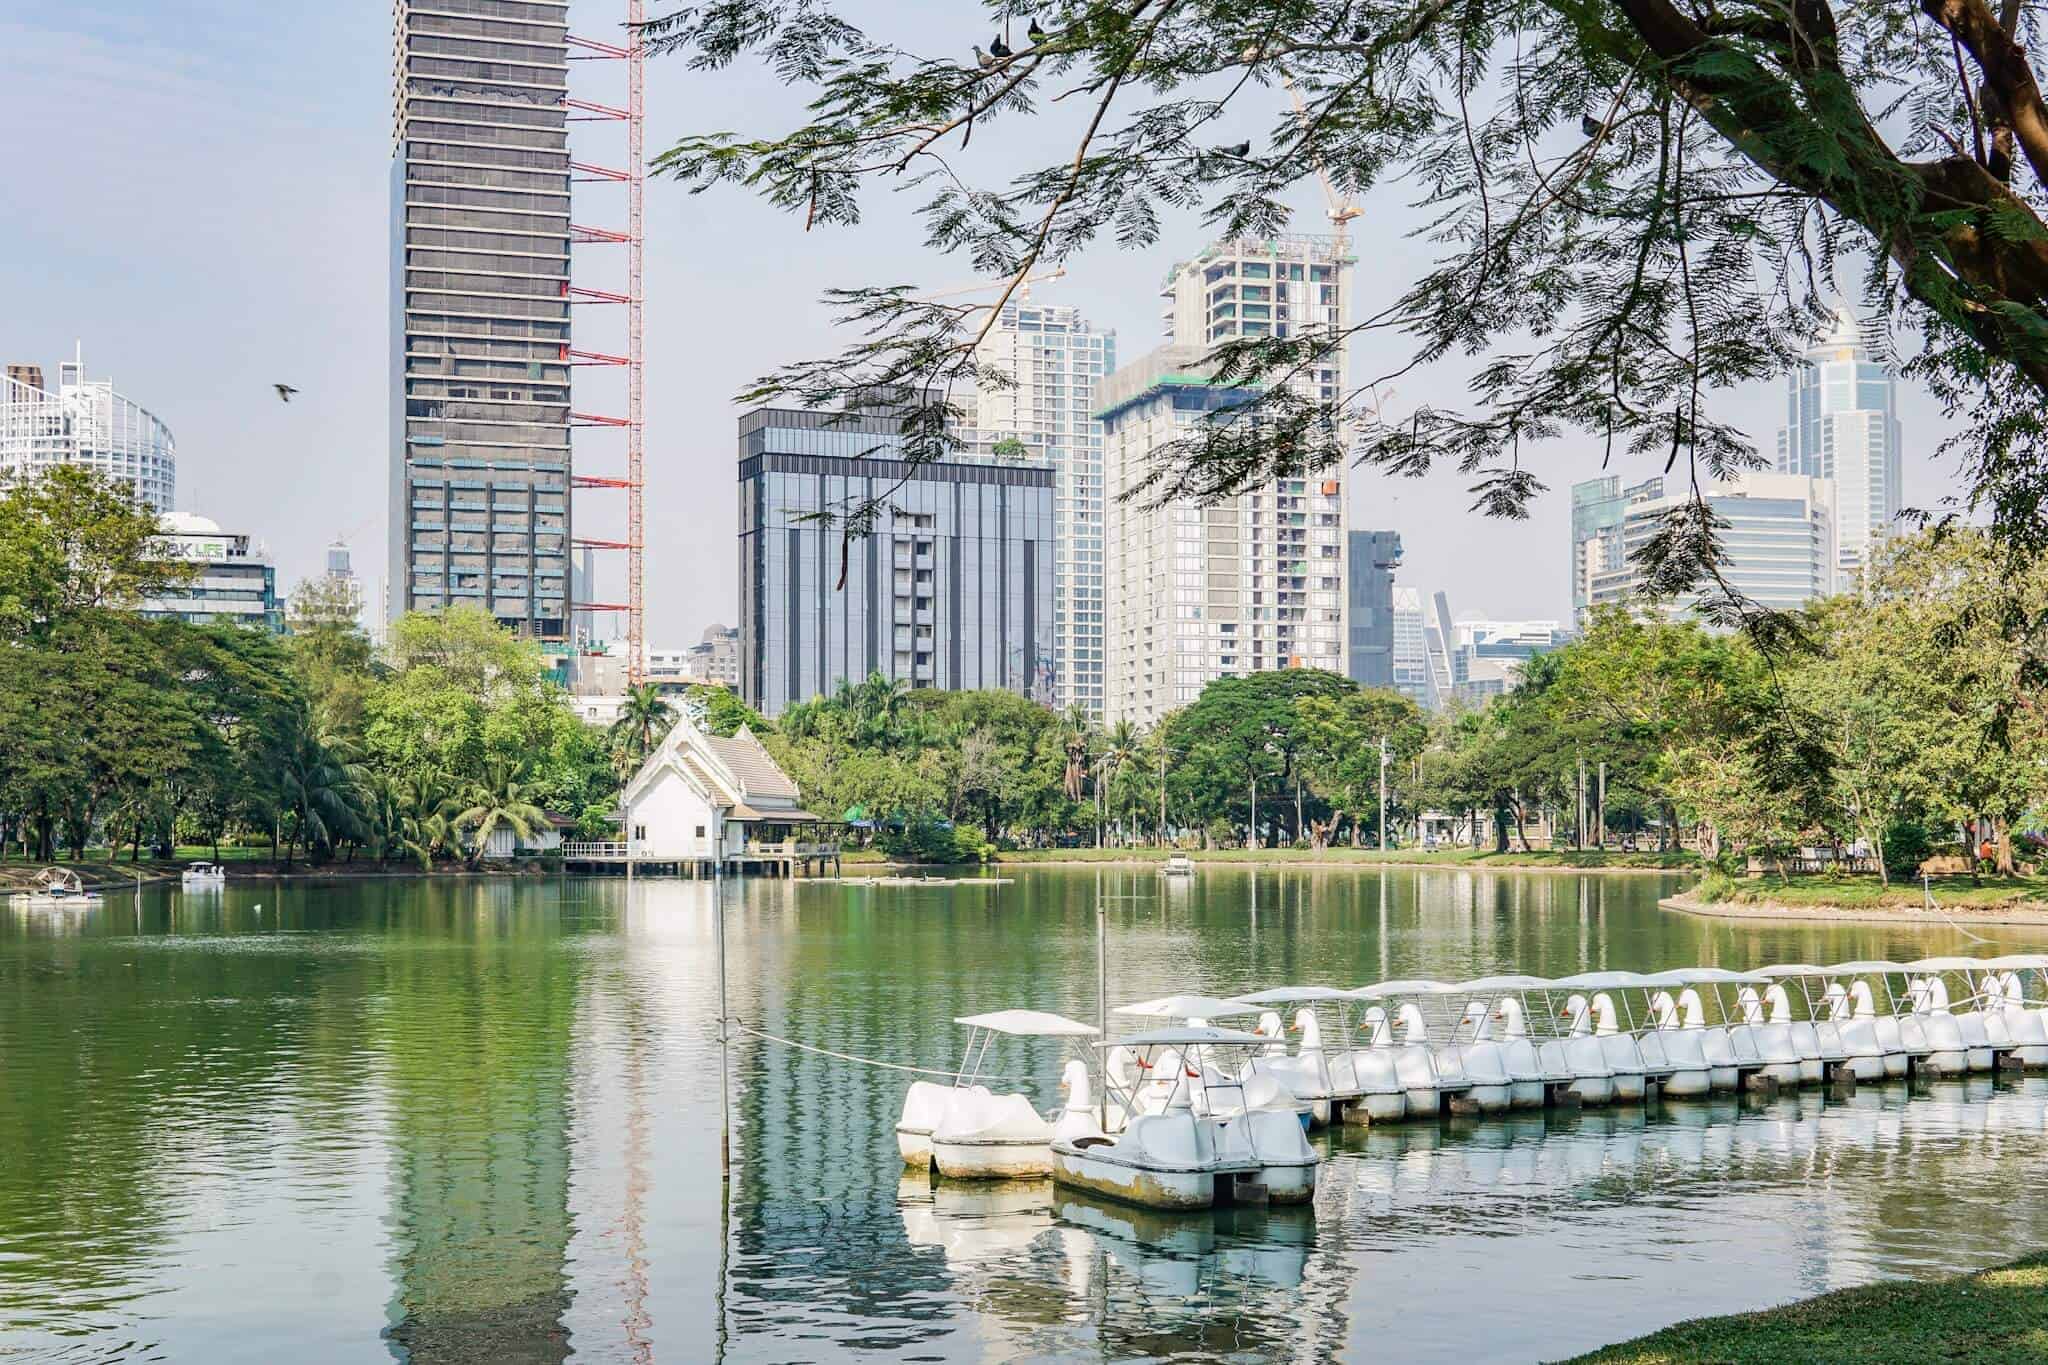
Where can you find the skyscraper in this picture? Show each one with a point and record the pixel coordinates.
(1841, 424)
(1411, 649)
(952, 588)
(1370, 560)
(1251, 583)
(84, 422)
(1598, 509)
(1055, 361)
(480, 312)
(1779, 550)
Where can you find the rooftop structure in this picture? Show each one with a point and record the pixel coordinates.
(235, 581)
(84, 422)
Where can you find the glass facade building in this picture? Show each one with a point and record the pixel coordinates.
(952, 588)
(480, 312)
(1055, 362)
(1842, 424)
(1599, 506)
(1778, 548)
(233, 581)
(1371, 558)
(84, 422)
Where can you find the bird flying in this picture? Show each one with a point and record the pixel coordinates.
(284, 392)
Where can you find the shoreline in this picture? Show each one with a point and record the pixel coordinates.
(1955, 917)
(1488, 863)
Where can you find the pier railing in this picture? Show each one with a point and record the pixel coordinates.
(599, 851)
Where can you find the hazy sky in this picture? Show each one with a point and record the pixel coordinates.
(198, 191)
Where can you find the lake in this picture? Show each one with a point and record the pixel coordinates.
(455, 1121)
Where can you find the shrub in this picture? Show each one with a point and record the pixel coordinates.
(1906, 846)
(1716, 886)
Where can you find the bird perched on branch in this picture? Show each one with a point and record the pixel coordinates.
(997, 48)
(982, 59)
(1589, 125)
(284, 392)
(1240, 150)
(1034, 32)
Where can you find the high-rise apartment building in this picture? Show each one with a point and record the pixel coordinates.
(952, 588)
(1842, 424)
(84, 422)
(480, 312)
(1370, 560)
(1055, 361)
(1779, 548)
(1599, 507)
(1256, 581)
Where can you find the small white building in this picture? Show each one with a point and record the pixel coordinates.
(700, 798)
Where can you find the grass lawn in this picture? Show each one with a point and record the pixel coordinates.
(1857, 892)
(1994, 1315)
(1456, 857)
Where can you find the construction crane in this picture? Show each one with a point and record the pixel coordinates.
(1340, 209)
(1022, 294)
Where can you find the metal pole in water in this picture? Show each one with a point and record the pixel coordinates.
(724, 1015)
(1102, 999)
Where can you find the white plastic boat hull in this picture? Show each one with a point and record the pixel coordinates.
(992, 1160)
(915, 1146)
(1292, 1184)
(1154, 1188)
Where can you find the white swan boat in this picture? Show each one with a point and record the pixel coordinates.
(1148, 1074)
(1817, 1038)
(1598, 1017)
(1697, 1057)
(2026, 1023)
(1507, 1010)
(1194, 1152)
(57, 887)
(1888, 1024)
(1956, 1047)
(204, 877)
(1321, 1078)
(967, 1133)
(1400, 1037)
(1766, 1040)
(1177, 865)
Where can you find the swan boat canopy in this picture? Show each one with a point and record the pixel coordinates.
(968, 1133)
(1413, 1064)
(1986, 1027)
(1211, 1138)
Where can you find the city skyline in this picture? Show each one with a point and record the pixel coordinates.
(241, 115)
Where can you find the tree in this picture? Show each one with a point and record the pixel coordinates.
(1632, 205)
(643, 720)
(498, 800)
(310, 789)
(72, 542)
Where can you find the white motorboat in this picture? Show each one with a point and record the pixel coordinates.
(967, 1133)
(1177, 865)
(204, 877)
(1194, 1153)
(57, 888)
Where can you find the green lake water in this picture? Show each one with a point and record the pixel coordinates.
(459, 1121)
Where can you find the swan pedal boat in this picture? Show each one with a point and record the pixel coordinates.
(57, 887)
(1149, 1073)
(966, 1133)
(1197, 1150)
(201, 876)
(1321, 1080)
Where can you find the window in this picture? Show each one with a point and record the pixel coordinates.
(700, 831)
(639, 831)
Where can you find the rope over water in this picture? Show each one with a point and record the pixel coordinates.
(953, 1072)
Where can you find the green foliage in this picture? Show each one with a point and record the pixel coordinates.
(1630, 207)
(1906, 846)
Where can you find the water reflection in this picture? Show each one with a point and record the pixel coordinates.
(467, 1121)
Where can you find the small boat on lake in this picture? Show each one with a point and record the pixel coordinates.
(968, 1133)
(57, 887)
(1198, 1149)
(1177, 865)
(204, 877)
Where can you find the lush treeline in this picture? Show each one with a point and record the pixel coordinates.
(143, 734)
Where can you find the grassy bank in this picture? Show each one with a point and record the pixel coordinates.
(1867, 893)
(1994, 1315)
(1398, 857)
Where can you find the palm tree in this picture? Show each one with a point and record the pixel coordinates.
(499, 799)
(643, 720)
(312, 783)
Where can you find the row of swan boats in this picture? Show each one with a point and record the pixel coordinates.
(1185, 1112)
